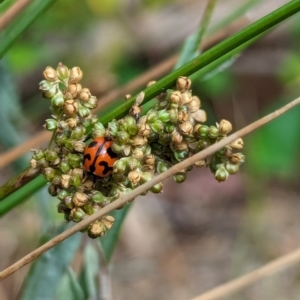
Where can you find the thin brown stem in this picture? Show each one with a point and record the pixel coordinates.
(156, 72)
(146, 186)
(13, 12)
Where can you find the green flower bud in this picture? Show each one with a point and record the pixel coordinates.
(75, 181)
(83, 112)
(38, 154)
(50, 155)
(56, 180)
(202, 144)
(169, 127)
(232, 168)
(173, 116)
(221, 174)
(157, 188)
(68, 202)
(89, 208)
(162, 166)
(77, 214)
(133, 129)
(50, 124)
(117, 148)
(77, 132)
(164, 116)
(203, 131)
(92, 103)
(127, 121)
(62, 72)
(45, 85)
(97, 197)
(74, 160)
(122, 137)
(213, 132)
(179, 177)
(133, 163)
(146, 176)
(49, 173)
(64, 167)
(62, 194)
(151, 116)
(120, 178)
(48, 94)
(120, 166)
(157, 126)
(165, 139)
(181, 155)
(113, 128)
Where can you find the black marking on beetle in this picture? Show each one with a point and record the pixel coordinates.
(111, 153)
(106, 168)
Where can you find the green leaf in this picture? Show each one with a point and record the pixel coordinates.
(273, 150)
(191, 45)
(110, 241)
(21, 23)
(46, 272)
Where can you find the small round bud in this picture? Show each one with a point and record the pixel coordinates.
(45, 85)
(33, 163)
(151, 116)
(75, 75)
(173, 115)
(70, 107)
(199, 116)
(62, 72)
(50, 124)
(237, 158)
(144, 129)
(149, 160)
(62, 194)
(221, 174)
(213, 132)
(183, 116)
(163, 116)
(75, 181)
(68, 202)
(180, 155)
(79, 199)
(97, 196)
(77, 132)
(133, 163)
(232, 168)
(186, 128)
(175, 97)
(157, 188)
(176, 137)
(120, 166)
(50, 74)
(85, 95)
(179, 177)
(237, 144)
(157, 126)
(74, 89)
(52, 190)
(181, 146)
(92, 103)
(77, 214)
(134, 177)
(138, 141)
(186, 97)
(79, 146)
(199, 163)
(48, 94)
(72, 122)
(84, 112)
(122, 137)
(194, 105)
(49, 173)
(183, 83)
(65, 180)
(107, 221)
(225, 127)
(50, 155)
(138, 153)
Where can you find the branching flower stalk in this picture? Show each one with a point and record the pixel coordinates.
(145, 146)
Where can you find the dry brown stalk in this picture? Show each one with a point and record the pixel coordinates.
(146, 186)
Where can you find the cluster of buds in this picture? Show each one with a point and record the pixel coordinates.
(170, 132)
(147, 145)
(61, 162)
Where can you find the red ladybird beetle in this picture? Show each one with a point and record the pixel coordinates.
(99, 158)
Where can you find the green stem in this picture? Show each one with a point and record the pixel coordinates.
(209, 56)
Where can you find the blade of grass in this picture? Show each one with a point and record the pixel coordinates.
(191, 46)
(45, 274)
(210, 55)
(18, 26)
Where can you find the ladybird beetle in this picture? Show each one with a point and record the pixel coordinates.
(99, 158)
